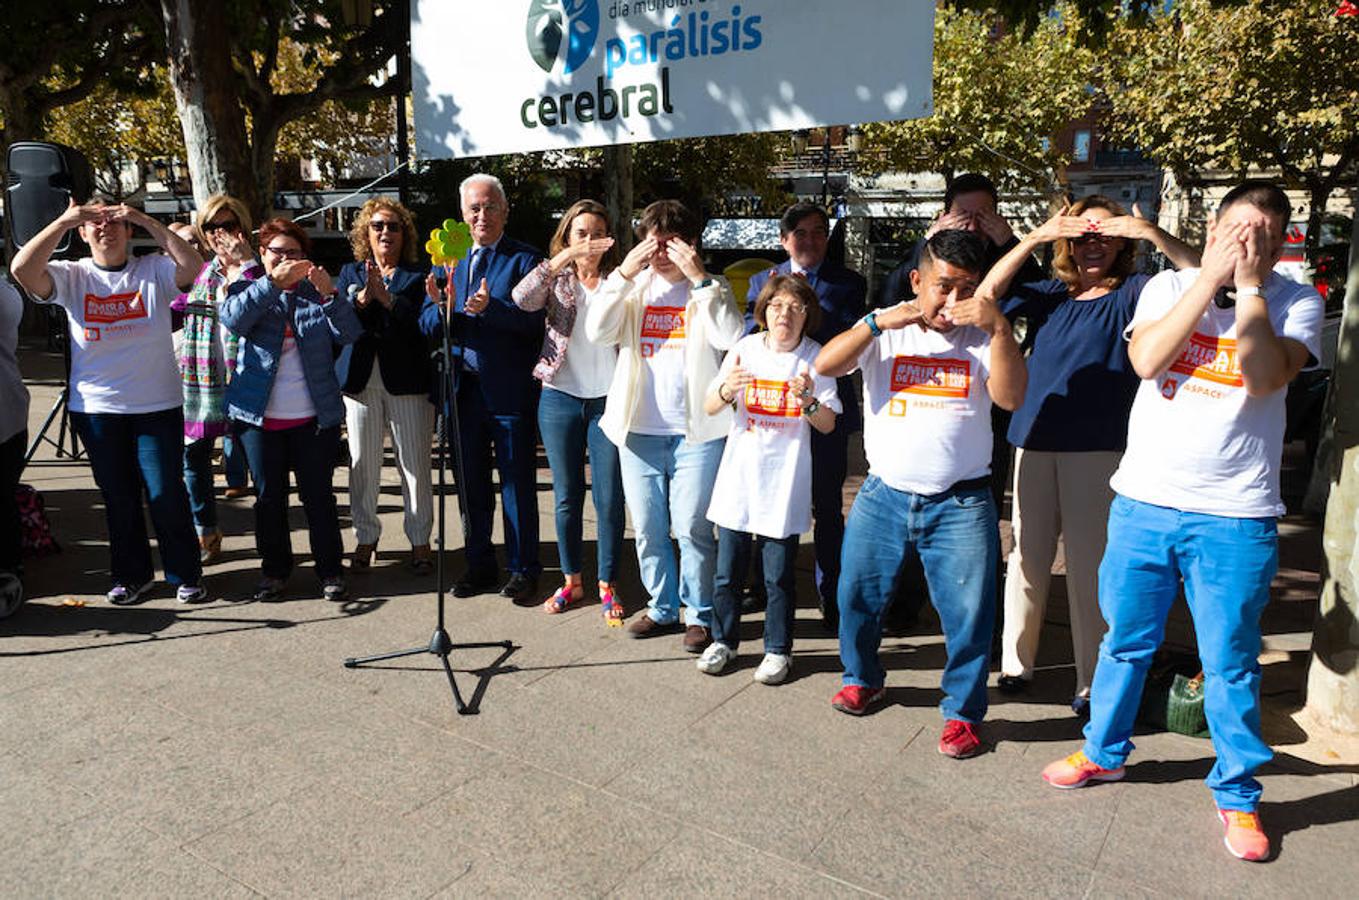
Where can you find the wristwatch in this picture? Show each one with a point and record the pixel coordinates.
(811, 408)
(1250, 290)
(871, 320)
(702, 284)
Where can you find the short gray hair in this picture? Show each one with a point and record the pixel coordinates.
(483, 178)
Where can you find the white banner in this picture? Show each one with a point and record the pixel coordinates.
(509, 76)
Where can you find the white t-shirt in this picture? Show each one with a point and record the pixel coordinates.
(588, 368)
(1196, 440)
(661, 404)
(122, 352)
(290, 397)
(764, 483)
(927, 413)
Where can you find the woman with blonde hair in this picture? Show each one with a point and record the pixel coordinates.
(385, 377)
(207, 354)
(1072, 428)
(576, 373)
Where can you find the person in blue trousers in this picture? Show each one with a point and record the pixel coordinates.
(1197, 496)
(497, 347)
(931, 369)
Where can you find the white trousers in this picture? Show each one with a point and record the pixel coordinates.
(410, 417)
(1064, 494)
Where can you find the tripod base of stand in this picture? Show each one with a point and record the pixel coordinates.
(440, 645)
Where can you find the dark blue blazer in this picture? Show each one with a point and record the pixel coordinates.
(502, 343)
(844, 296)
(391, 336)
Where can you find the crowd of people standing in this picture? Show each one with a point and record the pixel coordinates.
(1146, 413)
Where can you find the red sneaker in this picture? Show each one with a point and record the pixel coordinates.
(855, 700)
(959, 739)
(1242, 834)
(1076, 770)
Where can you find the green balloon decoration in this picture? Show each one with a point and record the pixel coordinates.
(449, 243)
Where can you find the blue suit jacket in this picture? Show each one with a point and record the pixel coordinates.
(502, 343)
(844, 295)
(391, 336)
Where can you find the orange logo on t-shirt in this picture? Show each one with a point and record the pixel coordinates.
(1210, 358)
(663, 322)
(114, 307)
(771, 398)
(931, 376)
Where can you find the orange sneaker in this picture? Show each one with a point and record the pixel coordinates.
(1242, 834)
(1076, 770)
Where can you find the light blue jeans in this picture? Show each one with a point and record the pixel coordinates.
(667, 483)
(956, 535)
(1227, 565)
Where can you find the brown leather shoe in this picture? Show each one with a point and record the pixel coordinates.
(644, 627)
(696, 639)
(363, 556)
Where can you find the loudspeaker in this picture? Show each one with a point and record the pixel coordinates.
(40, 181)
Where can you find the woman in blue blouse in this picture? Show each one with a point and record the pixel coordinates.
(1073, 425)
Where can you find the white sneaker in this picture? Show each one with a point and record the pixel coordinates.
(773, 669)
(715, 659)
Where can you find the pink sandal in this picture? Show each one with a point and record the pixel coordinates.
(611, 606)
(566, 597)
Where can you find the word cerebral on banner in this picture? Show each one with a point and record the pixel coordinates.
(523, 75)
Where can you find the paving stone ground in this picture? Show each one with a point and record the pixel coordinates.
(223, 750)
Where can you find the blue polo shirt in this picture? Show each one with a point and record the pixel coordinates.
(1081, 383)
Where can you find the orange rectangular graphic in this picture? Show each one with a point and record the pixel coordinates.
(771, 398)
(663, 323)
(931, 376)
(1210, 358)
(114, 307)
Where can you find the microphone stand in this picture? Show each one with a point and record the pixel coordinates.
(440, 644)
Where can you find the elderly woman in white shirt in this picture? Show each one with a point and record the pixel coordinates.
(672, 322)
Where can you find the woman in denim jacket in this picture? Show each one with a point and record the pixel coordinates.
(285, 400)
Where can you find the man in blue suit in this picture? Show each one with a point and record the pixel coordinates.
(804, 232)
(497, 347)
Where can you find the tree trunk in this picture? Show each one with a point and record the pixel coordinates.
(209, 108)
(618, 192)
(1333, 680)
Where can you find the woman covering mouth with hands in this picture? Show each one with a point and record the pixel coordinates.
(285, 400)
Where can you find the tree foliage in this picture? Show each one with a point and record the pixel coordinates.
(55, 54)
(999, 97)
(1272, 84)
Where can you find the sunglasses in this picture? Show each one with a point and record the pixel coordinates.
(1093, 239)
(286, 253)
(380, 225)
(227, 225)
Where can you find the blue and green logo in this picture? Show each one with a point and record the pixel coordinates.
(562, 28)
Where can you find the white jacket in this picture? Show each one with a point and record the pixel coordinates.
(713, 325)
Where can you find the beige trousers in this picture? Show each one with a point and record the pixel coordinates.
(1064, 494)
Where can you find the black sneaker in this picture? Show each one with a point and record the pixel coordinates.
(269, 589)
(333, 589)
(521, 588)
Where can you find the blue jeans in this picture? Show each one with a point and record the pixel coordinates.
(733, 557)
(198, 480)
(668, 483)
(955, 534)
(1227, 565)
(127, 452)
(234, 465)
(309, 454)
(569, 426)
(510, 437)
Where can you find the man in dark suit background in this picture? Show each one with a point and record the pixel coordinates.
(497, 394)
(804, 233)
